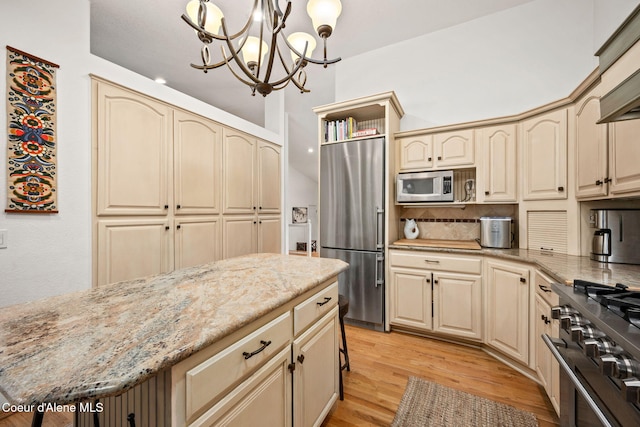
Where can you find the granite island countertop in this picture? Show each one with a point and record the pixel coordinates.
(561, 267)
(103, 341)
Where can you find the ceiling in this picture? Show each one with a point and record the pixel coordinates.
(149, 38)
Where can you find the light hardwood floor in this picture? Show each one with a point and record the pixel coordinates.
(381, 364)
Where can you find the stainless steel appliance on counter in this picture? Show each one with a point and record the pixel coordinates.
(352, 181)
(617, 235)
(421, 187)
(495, 232)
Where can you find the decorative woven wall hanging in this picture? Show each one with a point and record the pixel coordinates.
(31, 145)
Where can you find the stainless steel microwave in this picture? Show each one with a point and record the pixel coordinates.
(424, 187)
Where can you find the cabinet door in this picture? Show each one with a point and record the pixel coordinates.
(133, 136)
(197, 164)
(269, 234)
(591, 149)
(500, 164)
(543, 355)
(454, 149)
(197, 241)
(130, 249)
(624, 155)
(239, 235)
(315, 379)
(544, 151)
(239, 164)
(269, 197)
(457, 304)
(507, 309)
(266, 395)
(410, 298)
(416, 153)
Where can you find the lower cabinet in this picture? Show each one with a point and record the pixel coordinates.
(248, 234)
(507, 308)
(547, 366)
(436, 292)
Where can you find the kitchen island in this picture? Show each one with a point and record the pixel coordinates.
(104, 341)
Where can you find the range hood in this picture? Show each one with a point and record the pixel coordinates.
(619, 61)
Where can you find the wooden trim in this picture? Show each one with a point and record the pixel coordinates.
(391, 97)
(20, 52)
(627, 34)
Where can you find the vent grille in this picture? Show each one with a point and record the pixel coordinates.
(547, 230)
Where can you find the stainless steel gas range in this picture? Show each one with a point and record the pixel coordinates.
(599, 354)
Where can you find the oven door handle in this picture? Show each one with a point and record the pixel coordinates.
(551, 343)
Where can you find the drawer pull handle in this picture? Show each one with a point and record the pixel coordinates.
(432, 261)
(544, 288)
(326, 300)
(265, 344)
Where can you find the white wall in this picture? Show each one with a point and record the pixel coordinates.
(51, 254)
(498, 65)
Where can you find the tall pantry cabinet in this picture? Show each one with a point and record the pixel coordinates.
(161, 182)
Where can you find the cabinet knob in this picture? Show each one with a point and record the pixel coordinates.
(254, 208)
(166, 206)
(435, 281)
(439, 157)
(167, 227)
(486, 193)
(429, 159)
(178, 227)
(607, 180)
(428, 280)
(561, 188)
(598, 182)
(178, 206)
(255, 222)
(260, 207)
(523, 280)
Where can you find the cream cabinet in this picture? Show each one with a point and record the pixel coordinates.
(132, 140)
(624, 152)
(507, 308)
(546, 365)
(544, 156)
(436, 151)
(197, 154)
(436, 292)
(592, 165)
(197, 240)
(283, 368)
(247, 234)
(499, 165)
(415, 153)
(251, 174)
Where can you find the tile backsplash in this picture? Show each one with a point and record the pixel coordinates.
(454, 223)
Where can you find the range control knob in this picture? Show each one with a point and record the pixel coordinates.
(630, 388)
(562, 310)
(581, 333)
(619, 366)
(595, 347)
(569, 320)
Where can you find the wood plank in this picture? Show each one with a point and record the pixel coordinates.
(440, 243)
(381, 364)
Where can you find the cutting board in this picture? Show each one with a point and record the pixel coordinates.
(439, 243)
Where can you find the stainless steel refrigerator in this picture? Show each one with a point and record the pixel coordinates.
(352, 181)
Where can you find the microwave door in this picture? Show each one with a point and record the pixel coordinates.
(427, 189)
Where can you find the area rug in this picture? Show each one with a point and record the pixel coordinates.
(429, 404)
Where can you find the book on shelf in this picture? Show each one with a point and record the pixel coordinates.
(338, 130)
(365, 132)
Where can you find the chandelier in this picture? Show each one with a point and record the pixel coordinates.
(263, 35)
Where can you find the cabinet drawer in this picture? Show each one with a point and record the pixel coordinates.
(206, 382)
(313, 308)
(433, 261)
(543, 288)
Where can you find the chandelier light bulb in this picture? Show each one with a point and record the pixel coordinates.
(324, 15)
(251, 51)
(298, 40)
(214, 15)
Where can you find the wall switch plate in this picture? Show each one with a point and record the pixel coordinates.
(3, 239)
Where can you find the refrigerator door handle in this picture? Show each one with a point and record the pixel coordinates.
(379, 230)
(379, 270)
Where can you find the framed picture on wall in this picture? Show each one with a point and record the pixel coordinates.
(299, 215)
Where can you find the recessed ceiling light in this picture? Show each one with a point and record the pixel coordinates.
(310, 150)
(161, 80)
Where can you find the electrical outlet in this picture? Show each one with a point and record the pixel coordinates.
(3, 239)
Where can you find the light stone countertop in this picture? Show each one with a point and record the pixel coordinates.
(561, 267)
(103, 341)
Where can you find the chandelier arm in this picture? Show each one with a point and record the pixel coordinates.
(224, 37)
(283, 17)
(324, 61)
(290, 73)
(236, 58)
(272, 52)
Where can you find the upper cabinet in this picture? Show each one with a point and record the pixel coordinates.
(197, 154)
(624, 152)
(544, 156)
(498, 180)
(133, 138)
(591, 148)
(444, 150)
